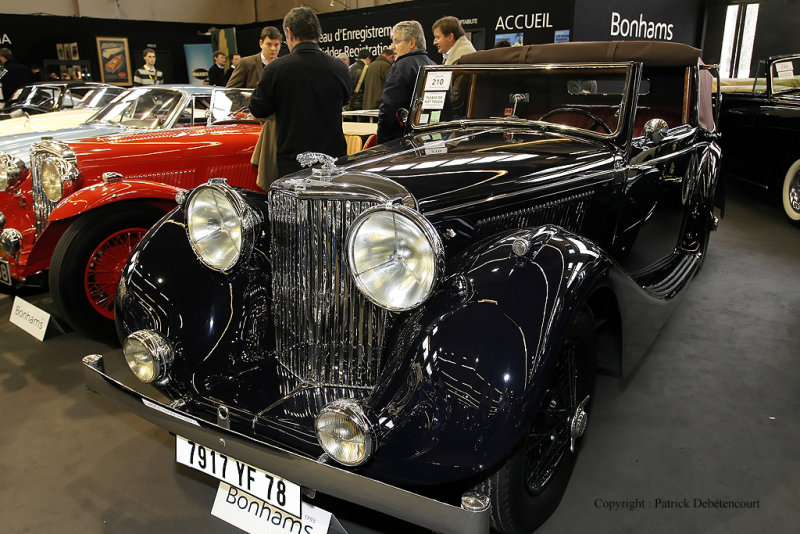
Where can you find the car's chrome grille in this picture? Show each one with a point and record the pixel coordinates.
(42, 206)
(326, 331)
(567, 212)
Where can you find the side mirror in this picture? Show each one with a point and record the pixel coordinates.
(655, 130)
(402, 116)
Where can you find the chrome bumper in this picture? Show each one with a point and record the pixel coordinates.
(328, 479)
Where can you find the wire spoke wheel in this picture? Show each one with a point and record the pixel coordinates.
(549, 436)
(104, 267)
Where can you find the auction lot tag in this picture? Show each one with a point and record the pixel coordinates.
(277, 491)
(438, 81)
(253, 515)
(30, 318)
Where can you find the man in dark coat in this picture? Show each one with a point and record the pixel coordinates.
(13, 75)
(357, 72)
(306, 91)
(375, 79)
(408, 42)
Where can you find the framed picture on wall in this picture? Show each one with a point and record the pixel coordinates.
(115, 60)
(60, 53)
(73, 48)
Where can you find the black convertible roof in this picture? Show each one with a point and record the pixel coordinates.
(655, 53)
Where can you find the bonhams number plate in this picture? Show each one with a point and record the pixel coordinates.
(273, 489)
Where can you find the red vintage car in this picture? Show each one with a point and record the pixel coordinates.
(88, 202)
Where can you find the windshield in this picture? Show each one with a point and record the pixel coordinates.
(90, 97)
(584, 97)
(40, 96)
(785, 75)
(141, 108)
(230, 105)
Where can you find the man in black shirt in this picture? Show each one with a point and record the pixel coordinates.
(306, 91)
(13, 75)
(217, 75)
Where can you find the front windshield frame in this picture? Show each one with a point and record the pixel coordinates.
(784, 75)
(230, 104)
(163, 117)
(625, 71)
(33, 92)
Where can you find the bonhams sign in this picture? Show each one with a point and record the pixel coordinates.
(625, 20)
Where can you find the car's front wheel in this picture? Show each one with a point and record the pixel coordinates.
(88, 261)
(790, 193)
(527, 488)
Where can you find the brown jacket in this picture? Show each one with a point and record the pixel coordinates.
(374, 80)
(247, 73)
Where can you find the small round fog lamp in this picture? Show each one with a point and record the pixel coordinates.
(148, 355)
(345, 433)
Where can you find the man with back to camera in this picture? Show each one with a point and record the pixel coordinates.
(248, 71)
(148, 74)
(217, 75)
(375, 78)
(451, 40)
(408, 43)
(357, 72)
(306, 91)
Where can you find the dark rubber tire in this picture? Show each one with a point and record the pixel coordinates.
(87, 306)
(517, 505)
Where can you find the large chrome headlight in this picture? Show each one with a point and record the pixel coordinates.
(220, 225)
(55, 173)
(148, 355)
(10, 170)
(345, 433)
(395, 256)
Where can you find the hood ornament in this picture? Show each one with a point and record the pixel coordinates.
(328, 169)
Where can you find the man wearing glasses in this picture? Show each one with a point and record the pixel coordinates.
(408, 43)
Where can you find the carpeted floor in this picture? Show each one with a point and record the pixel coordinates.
(702, 439)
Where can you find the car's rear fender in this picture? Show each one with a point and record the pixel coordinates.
(469, 369)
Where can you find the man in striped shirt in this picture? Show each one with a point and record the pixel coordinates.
(148, 74)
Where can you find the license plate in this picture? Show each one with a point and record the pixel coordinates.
(273, 489)
(5, 273)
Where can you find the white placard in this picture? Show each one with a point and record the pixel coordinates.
(438, 81)
(785, 74)
(434, 100)
(786, 65)
(30, 318)
(253, 515)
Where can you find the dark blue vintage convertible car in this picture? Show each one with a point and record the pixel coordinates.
(416, 327)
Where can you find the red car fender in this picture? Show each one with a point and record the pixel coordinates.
(98, 195)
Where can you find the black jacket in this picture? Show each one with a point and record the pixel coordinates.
(306, 91)
(397, 93)
(16, 75)
(218, 75)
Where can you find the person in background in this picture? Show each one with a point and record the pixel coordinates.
(248, 72)
(408, 43)
(235, 61)
(451, 40)
(217, 75)
(148, 74)
(375, 79)
(13, 75)
(344, 57)
(357, 72)
(306, 91)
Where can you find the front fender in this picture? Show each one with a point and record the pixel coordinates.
(477, 358)
(98, 195)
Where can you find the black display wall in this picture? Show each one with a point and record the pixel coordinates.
(33, 39)
(626, 20)
(539, 21)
